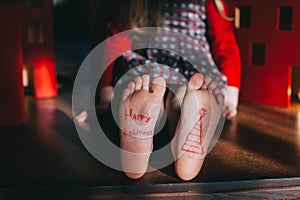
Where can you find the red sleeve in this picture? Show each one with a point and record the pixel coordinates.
(223, 45)
(115, 46)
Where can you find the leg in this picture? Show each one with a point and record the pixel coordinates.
(195, 128)
(139, 110)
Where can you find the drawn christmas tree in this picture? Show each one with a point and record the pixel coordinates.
(193, 141)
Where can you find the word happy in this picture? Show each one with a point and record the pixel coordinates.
(136, 117)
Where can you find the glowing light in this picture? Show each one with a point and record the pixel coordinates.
(25, 77)
(237, 17)
(289, 91)
(44, 78)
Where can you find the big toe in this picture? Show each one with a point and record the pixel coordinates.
(158, 86)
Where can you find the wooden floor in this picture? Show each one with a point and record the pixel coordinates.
(257, 156)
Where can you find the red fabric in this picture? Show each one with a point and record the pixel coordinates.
(223, 45)
(115, 46)
(12, 103)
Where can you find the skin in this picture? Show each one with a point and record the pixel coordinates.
(145, 101)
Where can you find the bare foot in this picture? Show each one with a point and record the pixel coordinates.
(138, 113)
(199, 116)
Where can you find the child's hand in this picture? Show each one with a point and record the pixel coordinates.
(231, 101)
(81, 120)
(105, 97)
(231, 111)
